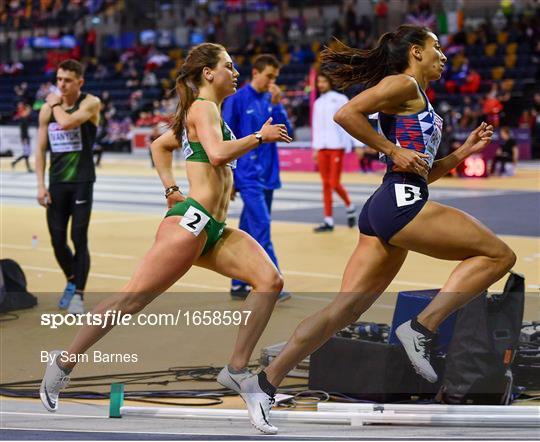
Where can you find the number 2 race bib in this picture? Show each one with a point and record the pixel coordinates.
(194, 220)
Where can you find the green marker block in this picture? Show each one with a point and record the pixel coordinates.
(116, 400)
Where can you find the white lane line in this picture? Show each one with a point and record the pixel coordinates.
(25, 413)
(126, 219)
(127, 278)
(221, 288)
(48, 250)
(334, 276)
(202, 434)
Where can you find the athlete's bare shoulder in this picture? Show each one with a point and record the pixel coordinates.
(44, 114)
(203, 110)
(400, 84)
(91, 101)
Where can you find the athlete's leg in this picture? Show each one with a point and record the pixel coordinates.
(58, 213)
(238, 255)
(369, 271)
(243, 224)
(323, 159)
(170, 257)
(336, 166)
(447, 233)
(80, 220)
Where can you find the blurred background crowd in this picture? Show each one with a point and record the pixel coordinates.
(132, 51)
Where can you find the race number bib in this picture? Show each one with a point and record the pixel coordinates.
(406, 194)
(194, 220)
(62, 140)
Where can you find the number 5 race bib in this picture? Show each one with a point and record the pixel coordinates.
(407, 194)
(194, 220)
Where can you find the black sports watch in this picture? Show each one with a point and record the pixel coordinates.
(258, 135)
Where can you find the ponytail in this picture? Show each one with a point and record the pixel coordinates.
(348, 66)
(186, 97)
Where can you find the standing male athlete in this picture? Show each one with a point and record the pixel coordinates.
(67, 127)
(257, 173)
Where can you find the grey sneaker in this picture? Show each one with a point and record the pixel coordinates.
(76, 305)
(54, 380)
(418, 347)
(232, 380)
(258, 404)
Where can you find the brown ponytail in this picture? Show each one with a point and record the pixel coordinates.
(347, 66)
(190, 79)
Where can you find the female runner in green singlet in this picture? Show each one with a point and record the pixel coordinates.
(193, 231)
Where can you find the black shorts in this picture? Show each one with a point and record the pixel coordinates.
(394, 204)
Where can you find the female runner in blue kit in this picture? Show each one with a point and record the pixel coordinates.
(398, 217)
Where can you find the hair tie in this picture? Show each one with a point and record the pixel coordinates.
(182, 74)
(351, 62)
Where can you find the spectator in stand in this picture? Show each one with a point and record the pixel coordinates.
(145, 119)
(351, 28)
(506, 154)
(472, 83)
(135, 104)
(381, 17)
(22, 94)
(527, 120)
(149, 79)
(101, 73)
(421, 15)
(253, 47)
(43, 90)
(11, 68)
(90, 43)
(270, 45)
(492, 107)
(155, 60)
(133, 81)
(106, 98)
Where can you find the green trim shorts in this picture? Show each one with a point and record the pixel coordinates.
(195, 218)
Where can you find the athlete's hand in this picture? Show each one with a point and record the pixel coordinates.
(44, 197)
(478, 138)
(175, 197)
(407, 160)
(274, 132)
(315, 155)
(53, 99)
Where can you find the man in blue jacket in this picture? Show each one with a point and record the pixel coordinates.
(257, 173)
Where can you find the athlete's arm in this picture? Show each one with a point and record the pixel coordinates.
(388, 96)
(205, 117)
(475, 143)
(162, 153)
(88, 110)
(43, 195)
